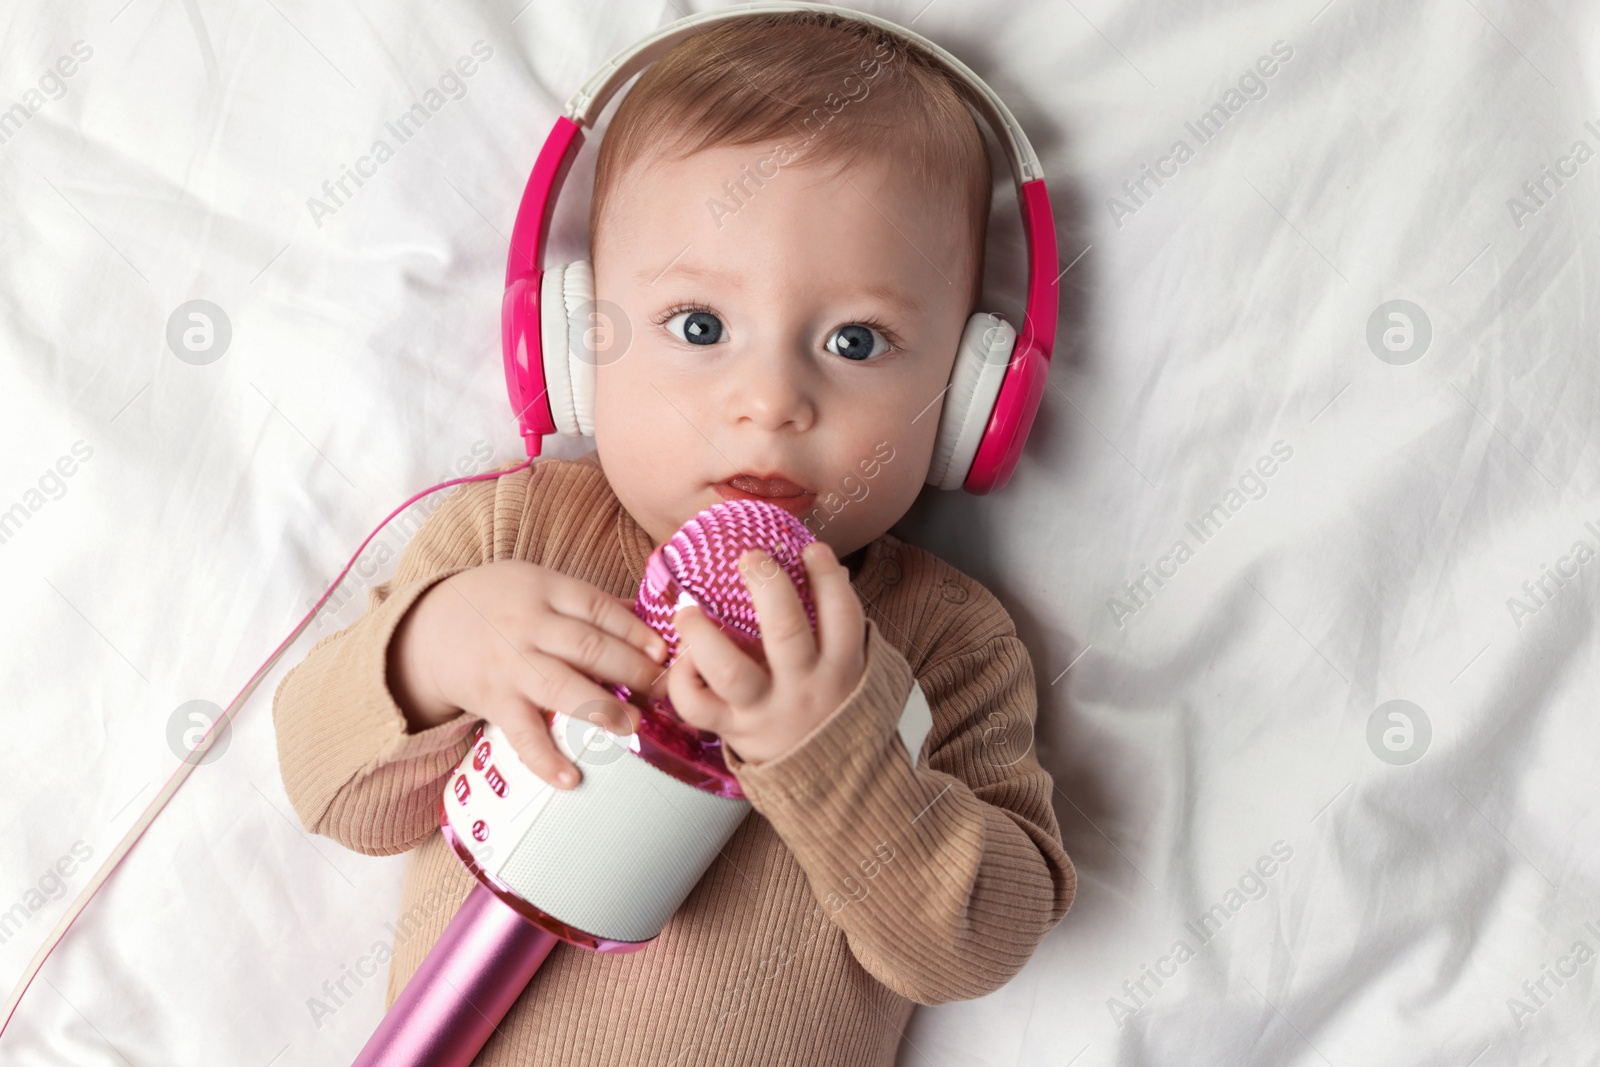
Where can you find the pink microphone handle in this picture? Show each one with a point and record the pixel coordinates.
(466, 985)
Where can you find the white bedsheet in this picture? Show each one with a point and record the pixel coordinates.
(1198, 726)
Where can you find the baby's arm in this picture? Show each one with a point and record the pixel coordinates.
(944, 877)
(370, 725)
(351, 769)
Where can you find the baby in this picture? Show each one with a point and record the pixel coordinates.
(788, 224)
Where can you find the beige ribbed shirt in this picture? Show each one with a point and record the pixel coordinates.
(858, 885)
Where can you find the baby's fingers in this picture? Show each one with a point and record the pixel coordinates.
(550, 682)
(588, 603)
(598, 653)
(841, 623)
(525, 728)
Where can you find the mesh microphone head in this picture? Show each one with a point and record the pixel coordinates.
(700, 565)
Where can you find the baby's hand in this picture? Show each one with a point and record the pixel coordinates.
(507, 639)
(763, 712)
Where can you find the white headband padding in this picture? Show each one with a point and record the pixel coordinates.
(975, 379)
(566, 300)
(578, 291)
(553, 331)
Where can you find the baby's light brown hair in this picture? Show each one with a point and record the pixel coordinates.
(828, 88)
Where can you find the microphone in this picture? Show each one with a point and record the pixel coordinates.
(604, 865)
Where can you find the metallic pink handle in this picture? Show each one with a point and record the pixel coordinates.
(470, 979)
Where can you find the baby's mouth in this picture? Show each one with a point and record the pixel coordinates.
(773, 488)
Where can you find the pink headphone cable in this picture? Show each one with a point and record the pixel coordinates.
(192, 760)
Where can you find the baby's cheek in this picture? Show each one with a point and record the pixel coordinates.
(622, 413)
(901, 480)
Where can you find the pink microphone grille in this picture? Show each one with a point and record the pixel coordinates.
(699, 564)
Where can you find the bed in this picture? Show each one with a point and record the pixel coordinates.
(1305, 544)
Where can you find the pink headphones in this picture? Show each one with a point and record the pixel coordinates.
(998, 376)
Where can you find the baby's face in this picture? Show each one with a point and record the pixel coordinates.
(799, 352)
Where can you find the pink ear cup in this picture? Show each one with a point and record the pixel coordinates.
(1023, 387)
(1013, 414)
(520, 345)
(700, 565)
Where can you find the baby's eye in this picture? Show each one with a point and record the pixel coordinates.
(696, 327)
(856, 341)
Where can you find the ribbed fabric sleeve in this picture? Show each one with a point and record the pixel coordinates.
(860, 882)
(966, 868)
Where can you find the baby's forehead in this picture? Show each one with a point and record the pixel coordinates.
(718, 184)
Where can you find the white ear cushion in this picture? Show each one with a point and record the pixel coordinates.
(578, 291)
(553, 332)
(980, 367)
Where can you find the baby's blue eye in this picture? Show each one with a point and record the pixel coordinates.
(856, 342)
(696, 327)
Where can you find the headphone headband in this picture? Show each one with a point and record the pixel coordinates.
(587, 103)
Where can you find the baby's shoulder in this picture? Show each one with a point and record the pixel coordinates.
(553, 474)
(927, 607)
(549, 481)
(517, 505)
